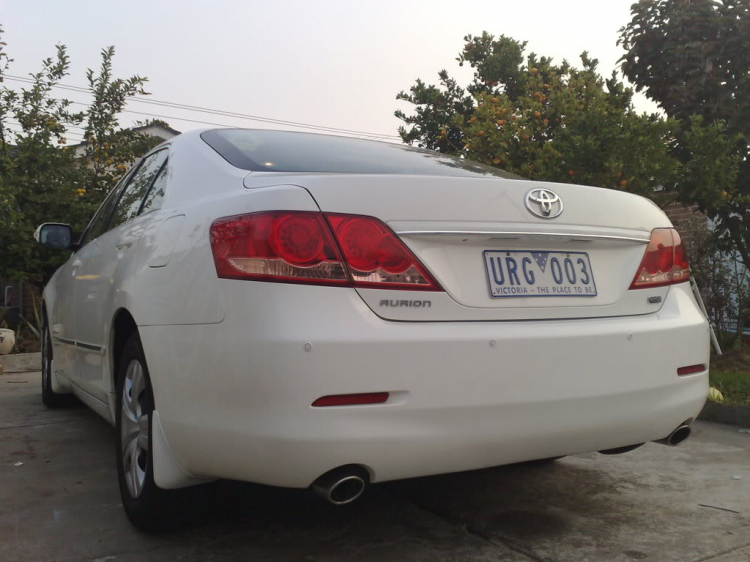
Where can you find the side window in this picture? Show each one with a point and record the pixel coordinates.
(156, 193)
(98, 224)
(130, 200)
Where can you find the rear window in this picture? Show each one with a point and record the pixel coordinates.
(284, 151)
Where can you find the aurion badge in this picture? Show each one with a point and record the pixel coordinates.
(544, 203)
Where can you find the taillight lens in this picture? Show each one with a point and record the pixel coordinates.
(277, 246)
(376, 257)
(309, 247)
(681, 267)
(665, 261)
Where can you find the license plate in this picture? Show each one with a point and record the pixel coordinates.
(513, 273)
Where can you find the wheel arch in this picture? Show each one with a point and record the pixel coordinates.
(59, 385)
(47, 303)
(168, 473)
(123, 326)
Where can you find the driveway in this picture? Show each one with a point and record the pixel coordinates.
(59, 501)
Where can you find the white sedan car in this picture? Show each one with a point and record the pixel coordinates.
(313, 311)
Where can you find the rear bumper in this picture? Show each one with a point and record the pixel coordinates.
(234, 398)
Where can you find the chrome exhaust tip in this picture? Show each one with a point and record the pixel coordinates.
(677, 437)
(341, 485)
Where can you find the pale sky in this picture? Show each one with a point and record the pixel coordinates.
(337, 63)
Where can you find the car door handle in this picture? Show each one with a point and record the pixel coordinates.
(125, 243)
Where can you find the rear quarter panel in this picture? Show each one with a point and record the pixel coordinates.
(186, 289)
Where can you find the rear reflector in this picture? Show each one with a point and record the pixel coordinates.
(315, 248)
(691, 370)
(351, 399)
(664, 262)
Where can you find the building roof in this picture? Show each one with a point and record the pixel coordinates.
(169, 130)
(159, 126)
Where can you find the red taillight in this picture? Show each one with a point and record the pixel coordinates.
(277, 246)
(299, 239)
(376, 257)
(309, 247)
(351, 399)
(665, 261)
(681, 267)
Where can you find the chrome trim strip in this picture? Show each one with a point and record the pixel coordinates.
(580, 237)
(89, 346)
(63, 340)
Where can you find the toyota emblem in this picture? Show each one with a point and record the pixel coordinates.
(544, 203)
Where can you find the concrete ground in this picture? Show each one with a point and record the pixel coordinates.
(59, 502)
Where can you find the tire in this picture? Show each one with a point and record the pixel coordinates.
(148, 507)
(50, 398)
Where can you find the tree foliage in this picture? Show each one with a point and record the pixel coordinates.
(555, 122)
(42, 179)
(692, 57)
(541, 120)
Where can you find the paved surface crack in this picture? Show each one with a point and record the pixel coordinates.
(506, 543)
(722, 553)
(42, 424)
(472, 530)
(113, 555)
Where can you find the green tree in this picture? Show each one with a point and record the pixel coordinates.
(36, 174)
(42, 179)
(693, 58)
(109, 149)
(541, 120)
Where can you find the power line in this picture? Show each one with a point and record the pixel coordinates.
(65, 135)
(172, 117)
(66, 126)
(362, 136)
(200, 109)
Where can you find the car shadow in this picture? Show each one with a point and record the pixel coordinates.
(523, 502)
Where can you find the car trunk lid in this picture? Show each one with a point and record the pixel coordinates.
(470, 232)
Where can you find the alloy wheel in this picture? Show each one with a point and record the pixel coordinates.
(134, 429)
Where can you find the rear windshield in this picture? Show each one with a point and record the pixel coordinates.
(284, 151)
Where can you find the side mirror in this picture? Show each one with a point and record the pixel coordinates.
(55, 235)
